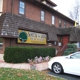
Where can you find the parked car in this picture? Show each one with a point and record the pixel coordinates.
(67, 64)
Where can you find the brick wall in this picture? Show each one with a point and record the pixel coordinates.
(56, 21)
(6, 6)
(32, 12)
(13, 42)
(48, 18)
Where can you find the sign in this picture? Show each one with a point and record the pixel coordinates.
(31, 37)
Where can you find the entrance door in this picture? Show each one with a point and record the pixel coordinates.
(65, 40)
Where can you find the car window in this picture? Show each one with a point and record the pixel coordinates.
(75, 56)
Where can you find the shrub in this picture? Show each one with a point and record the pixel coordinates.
(71, 48)
(21, 54)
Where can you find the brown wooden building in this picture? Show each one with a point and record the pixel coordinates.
(35, 23)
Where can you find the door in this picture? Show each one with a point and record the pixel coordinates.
(73, 64)
(65, 40)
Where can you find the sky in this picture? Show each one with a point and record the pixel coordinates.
(64, 6)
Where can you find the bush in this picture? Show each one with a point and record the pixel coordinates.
(71, 48)
(68, 52)
(21, 54)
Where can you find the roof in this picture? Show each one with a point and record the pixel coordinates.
(73, 32)
(52, 10)
(10, 24)
(50, 2)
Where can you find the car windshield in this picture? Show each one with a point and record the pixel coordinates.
(75, 56)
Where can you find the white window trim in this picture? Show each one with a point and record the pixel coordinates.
(42, 15)
(53, 20)
(22, 8)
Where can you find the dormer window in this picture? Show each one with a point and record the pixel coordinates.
(42, 15)
(21, 8)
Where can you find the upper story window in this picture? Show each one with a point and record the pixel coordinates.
(64, 24)
(42, 15)
(53, 20)
(60, 23)
(22, 7)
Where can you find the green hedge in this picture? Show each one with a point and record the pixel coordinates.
(21, 54)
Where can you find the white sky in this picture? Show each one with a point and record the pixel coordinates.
(64, 6)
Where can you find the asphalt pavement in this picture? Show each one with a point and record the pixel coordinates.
(65, 76)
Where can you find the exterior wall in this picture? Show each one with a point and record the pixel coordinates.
(13, 42)
(1, 6)
(6, 6)
(68, 24)
(3, 47)
(32, 11)
(63, 23)
(15, 6)
(56, 21)
(48, 18)
(7, 42)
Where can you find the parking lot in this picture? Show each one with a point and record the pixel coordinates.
(65, 76)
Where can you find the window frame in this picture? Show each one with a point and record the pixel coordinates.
(53, 20)
(42, 16)
(65, 23)
(60, 23)
(24, 8)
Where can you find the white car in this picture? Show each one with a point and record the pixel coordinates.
(67, 64)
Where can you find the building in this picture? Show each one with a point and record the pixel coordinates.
(34, 23)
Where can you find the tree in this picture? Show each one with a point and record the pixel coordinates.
(75, 11)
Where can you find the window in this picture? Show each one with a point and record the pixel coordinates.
(53, 20)
(60, 41)
(1, 43)
(75, 56)
(42, 15)
(79, 44)
(21, 7)
(60, 23)
(64, 24)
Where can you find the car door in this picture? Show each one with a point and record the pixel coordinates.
(73, 64)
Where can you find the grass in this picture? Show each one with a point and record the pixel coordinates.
(17, 74)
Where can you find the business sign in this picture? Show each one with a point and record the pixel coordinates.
(31, 37)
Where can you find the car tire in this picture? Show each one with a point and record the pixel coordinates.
(57, 68)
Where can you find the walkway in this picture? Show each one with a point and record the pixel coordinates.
(40, 66)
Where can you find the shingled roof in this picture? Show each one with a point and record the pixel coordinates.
(73, 32)
(10, 24)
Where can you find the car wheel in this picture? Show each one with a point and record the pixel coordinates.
(57, 68)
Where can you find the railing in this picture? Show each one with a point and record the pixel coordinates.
(61, 51)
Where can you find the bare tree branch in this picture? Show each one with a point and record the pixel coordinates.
(75, 12)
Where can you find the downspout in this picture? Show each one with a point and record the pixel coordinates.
(12, 15)
(12, 7)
